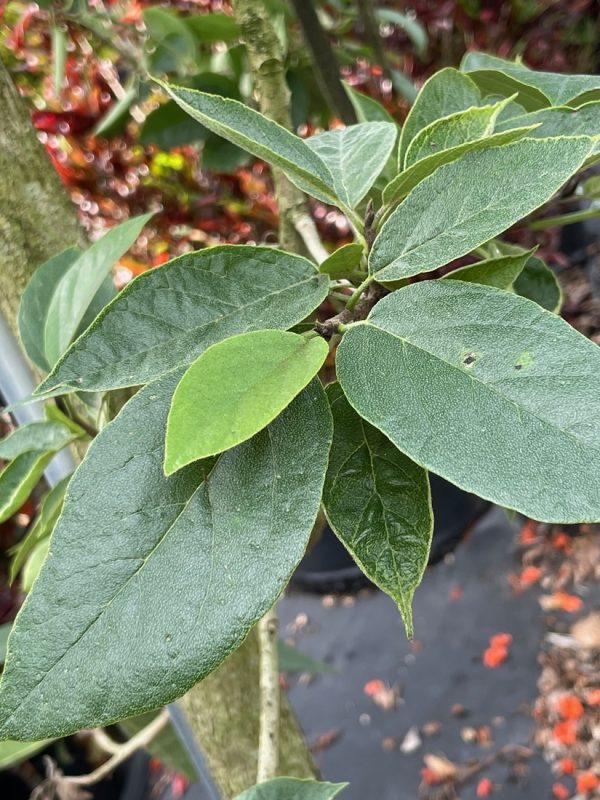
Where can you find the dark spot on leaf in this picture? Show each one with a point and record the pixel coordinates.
(469, 359)
(518, 366)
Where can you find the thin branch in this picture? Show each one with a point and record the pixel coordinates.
(307, 230)
(268, 743)
(137, 742)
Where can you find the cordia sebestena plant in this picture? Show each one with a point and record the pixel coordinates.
(193, 507)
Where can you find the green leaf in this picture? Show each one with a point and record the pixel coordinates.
(343, 261)
(172, 44)
(500, 272)
(260, 136)
(444, 93)
(169, 315)
(114, 121)
(292, 660)
(406, 181)
(41, 528)
(214, 27)
(562, 121)
(449, 213)
(451, 131)
(409, 24)
(81, 282)
(42, 435)
(12, 753)
(538, 282)
(552, 88)
(378, 503)
(33, 565)
(461, 378)
(195, 560)
(165, 746)
(59, 56)
(292, 789)
(367, 109)
(235, 389)
(220, 155)
(35, 302)
(355, 156)
(18, 479)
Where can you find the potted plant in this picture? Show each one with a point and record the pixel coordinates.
(205, 486)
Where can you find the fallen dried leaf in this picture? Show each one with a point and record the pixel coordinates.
(561, 601)
(325, 740)
(570, 707)
(565, 732)
(586, 631)
(560, 791)
(484, 788)
(441, 766)
(411, 742)
(587, 782)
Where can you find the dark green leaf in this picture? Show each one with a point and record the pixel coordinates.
(449, 213)
(355, 156)
(235, 389)
(18, 479)
(80, 283)
(444, 93)
(378, 503)
(292, 660)
(172, 44)
(195, 560)
(538, 283)
(461, 378)
(292, 789)
(219, 155)
(168, 316)
(343, 261)
(4, 631)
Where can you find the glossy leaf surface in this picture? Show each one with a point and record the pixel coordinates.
(378, 503)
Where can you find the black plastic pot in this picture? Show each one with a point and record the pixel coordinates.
(328, 567)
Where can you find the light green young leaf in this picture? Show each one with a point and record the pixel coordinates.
(378, 503)
(449, 213)
(169, 315)
(35, 302)
(536, 89)
(343, 261)
(4, 631)
(485, 402)
(33, 564)
(42, 435)
(81, 282)
(18, 478)
(214, 27)
(12, 753)
(260, 136)
(538, 282)
(406, 181)
(235, 389)
(451, 131)
(355, 156)
(292, 660)
(292, 789)
(444, 93)
(500, 272)
(195, 560)
(367, 109)
(41, 528)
